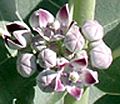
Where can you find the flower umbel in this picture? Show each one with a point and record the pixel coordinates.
(58, 48)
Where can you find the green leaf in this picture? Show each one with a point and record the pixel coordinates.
(108, 99)
(84, 99)
(109, 79)
(95, 94)
(7, 10)
(3, 52)
(112, 39)
(24, 7)
(108, 13)
(47, 98)
(13, 86)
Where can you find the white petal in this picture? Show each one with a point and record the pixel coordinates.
(41, 16)
(61, 62)
(74, 40)
(38, 43)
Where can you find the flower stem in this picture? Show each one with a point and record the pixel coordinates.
(83, 10)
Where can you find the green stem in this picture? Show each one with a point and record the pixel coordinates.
(83, 10)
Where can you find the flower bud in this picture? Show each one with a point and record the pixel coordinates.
(100, 55)
(74, 41)
(46, 80)
(47, 58)
(26, 64)
(92, 30)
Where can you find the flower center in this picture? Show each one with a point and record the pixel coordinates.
(74, 76)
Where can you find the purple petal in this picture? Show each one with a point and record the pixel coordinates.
(63, 15)
(45, 18)
(21, 39)
(17, 25)
(89, 77)
(75, 92)
(80, 61)
(59, 87)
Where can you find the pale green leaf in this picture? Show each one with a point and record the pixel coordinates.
(84, 99)
(47, 98)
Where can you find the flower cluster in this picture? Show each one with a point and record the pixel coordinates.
(59, 47)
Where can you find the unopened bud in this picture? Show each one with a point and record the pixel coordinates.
(74, 41)
(47, 58)
(92, 30)
(26, 64)
(100, 55)
(46, 80)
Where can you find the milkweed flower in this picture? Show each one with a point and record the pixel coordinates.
(18, 35)
(68, 77)
(49, 27)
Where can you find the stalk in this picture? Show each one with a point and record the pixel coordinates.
(83, 10)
